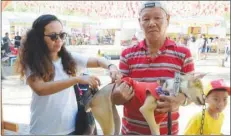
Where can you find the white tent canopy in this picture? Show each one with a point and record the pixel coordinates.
(30, 17)
(19, 17)
(197, 20)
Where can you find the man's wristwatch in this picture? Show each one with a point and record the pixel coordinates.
(109, 66)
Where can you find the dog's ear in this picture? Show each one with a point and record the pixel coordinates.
(199, 76)
(193, 76)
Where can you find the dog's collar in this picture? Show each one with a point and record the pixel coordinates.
(160, 91)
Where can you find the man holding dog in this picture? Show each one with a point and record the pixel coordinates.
(154, 58)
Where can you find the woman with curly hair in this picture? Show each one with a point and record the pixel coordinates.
(51, 71)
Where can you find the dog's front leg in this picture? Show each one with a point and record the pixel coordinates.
(147, 111)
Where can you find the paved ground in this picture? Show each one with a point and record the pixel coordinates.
(16, 97)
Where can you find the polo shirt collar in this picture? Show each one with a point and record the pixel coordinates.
(167, 43)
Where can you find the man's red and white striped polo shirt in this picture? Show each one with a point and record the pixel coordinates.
(137, 64)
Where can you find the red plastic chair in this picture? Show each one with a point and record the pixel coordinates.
(13, 50)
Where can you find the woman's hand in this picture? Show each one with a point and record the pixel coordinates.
(114, 73)
(92, 81)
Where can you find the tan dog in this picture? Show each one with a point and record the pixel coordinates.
(107, 116)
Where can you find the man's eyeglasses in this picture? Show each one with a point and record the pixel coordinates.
(54, 36)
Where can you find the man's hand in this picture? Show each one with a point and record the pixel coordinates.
(114, 73)
(169, 103)
(122, 93)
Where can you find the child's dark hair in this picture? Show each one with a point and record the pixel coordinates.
(216, 90)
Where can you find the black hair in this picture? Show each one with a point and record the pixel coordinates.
(216, 90)
(35, 55)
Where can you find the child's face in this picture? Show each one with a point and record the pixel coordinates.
(217, 100)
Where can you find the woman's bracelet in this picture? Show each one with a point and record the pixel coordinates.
(109, 66)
